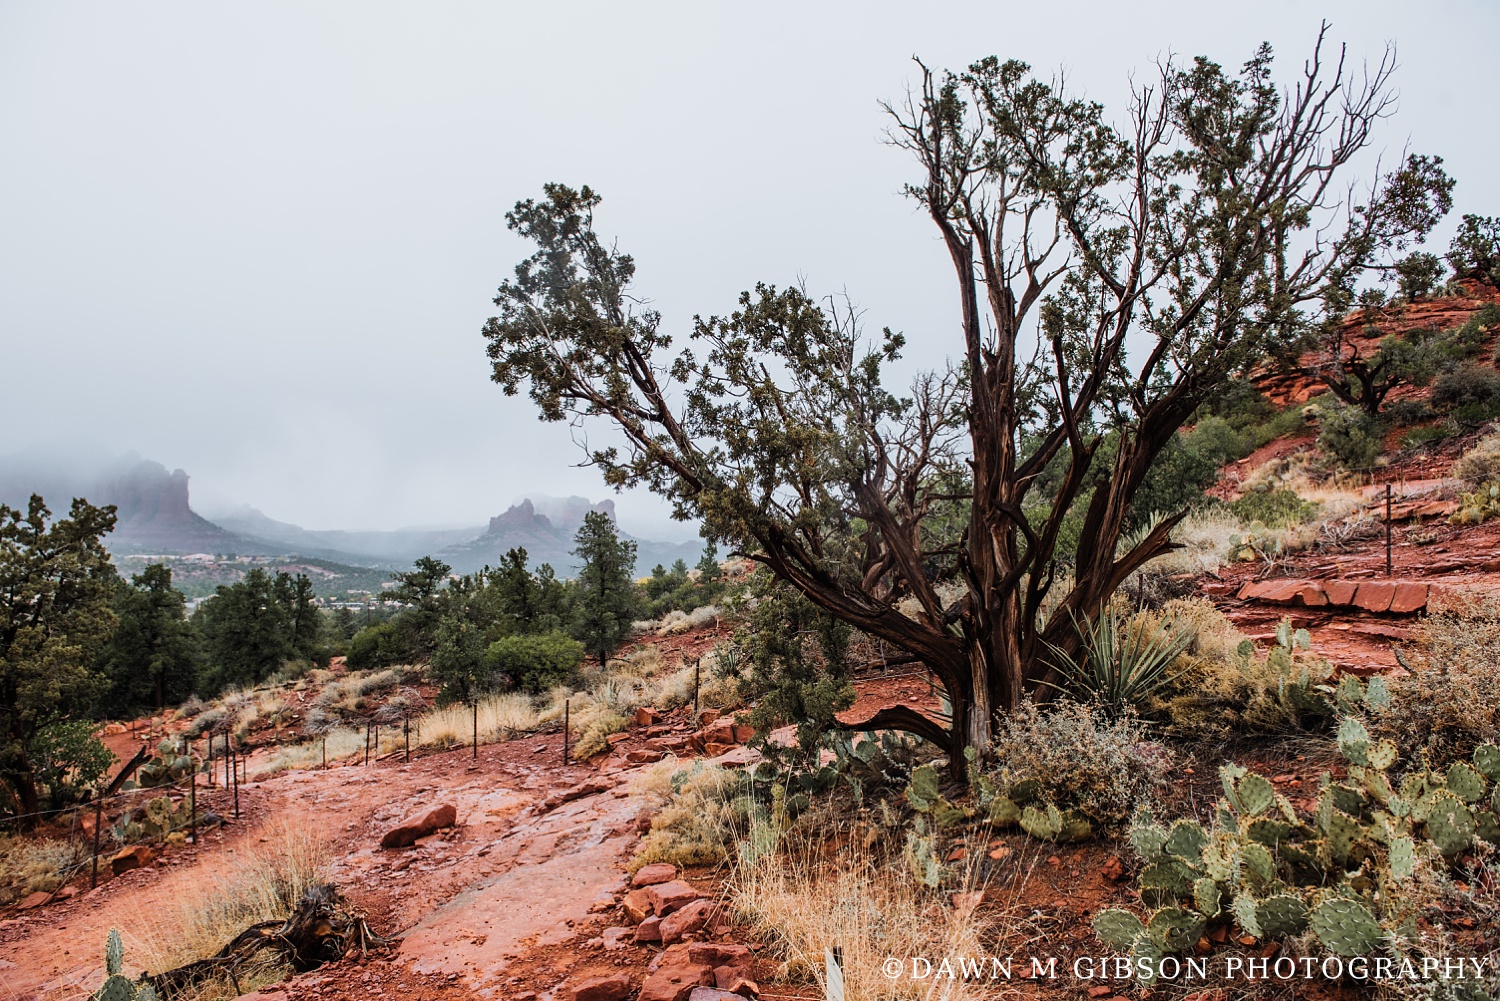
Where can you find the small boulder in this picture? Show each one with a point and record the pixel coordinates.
(707, 716)
(33, 900)
(735, 981)
(616, 738)
(649, 930)
(668, 897)
(646, 716)
(134, 857)
(614, 987)
(713, 994)
(643, 757)
(434, 820)
(673, 976)
(637, 905)
(656, 872)
(686, 920)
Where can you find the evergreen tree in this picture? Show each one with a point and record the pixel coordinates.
(55, 584)
(246, 631)
(708, 567)
(605, 600)
(152, 661)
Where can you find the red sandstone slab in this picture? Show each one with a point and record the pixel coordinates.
(1311, 594)
(1409, 597)
(1375, 596)
(1340, 592)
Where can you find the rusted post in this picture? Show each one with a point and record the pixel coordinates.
(98, 823)
(476, 728)
(566, 721)
(235, 771)
(192, 796)
(1387, 529)
(696, 666)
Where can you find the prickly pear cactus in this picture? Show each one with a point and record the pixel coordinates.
(116, 986)
(1346, 927)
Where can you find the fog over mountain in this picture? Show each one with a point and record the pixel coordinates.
(156, 515)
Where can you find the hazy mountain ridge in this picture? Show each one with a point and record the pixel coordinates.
(156, 517)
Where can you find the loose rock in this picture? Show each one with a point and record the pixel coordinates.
(421, 826)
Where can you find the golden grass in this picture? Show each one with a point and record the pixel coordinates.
(264, 884)
(871, 913)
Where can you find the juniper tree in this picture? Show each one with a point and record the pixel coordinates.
(604, 597)
(1208, 228)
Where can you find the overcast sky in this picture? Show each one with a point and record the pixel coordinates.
(257, 241)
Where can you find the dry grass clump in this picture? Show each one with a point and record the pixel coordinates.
(1480, 464)
(698, 824)
(868, 911)
(594, 739)
(1101, 767)
(1204, 536)
(31, 865)
(1446, 704)
(265, 884)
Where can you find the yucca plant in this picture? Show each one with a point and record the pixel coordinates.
(1117, 665)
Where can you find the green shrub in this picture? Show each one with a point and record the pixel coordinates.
(1480, 464)
(535, 663)
(1080, 759)
(1274, 507)
(69, 760)
(372, 647)
(1467, 386)
(1350, 436)
(1445, 705)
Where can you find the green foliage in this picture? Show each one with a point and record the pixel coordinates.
(1475, 249)
(1418, 275)
(1350, 436)
(1343, 873)
(1188, 465)
(118, 987)
(1475, 387)
(155, 820)
(1274, 507)
(1239, 696)
(794, 659)
(153, 659)
(534, 663)
(69, 760)
(605, 602)
(250, 629)
(55, 586)
(1121, 661)
(1073, 758)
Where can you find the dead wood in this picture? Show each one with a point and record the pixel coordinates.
(321, 930)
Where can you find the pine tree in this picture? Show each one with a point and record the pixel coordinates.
(606, 601)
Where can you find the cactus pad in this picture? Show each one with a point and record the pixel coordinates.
(1403, 857)
(923, 791)
(114, 953)
(1175, 929)
(1450, 824)
(1346, 927)
(1256, 794)
(1245, 915)
(1004, 811)
(1186, 840)
(1045, 822)
(1148, 839)
(116, 988)
(1281, 915)
(1118, 929)
(1206, 897)
(1258, 863)
(1465, 782)
(1487, 760)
